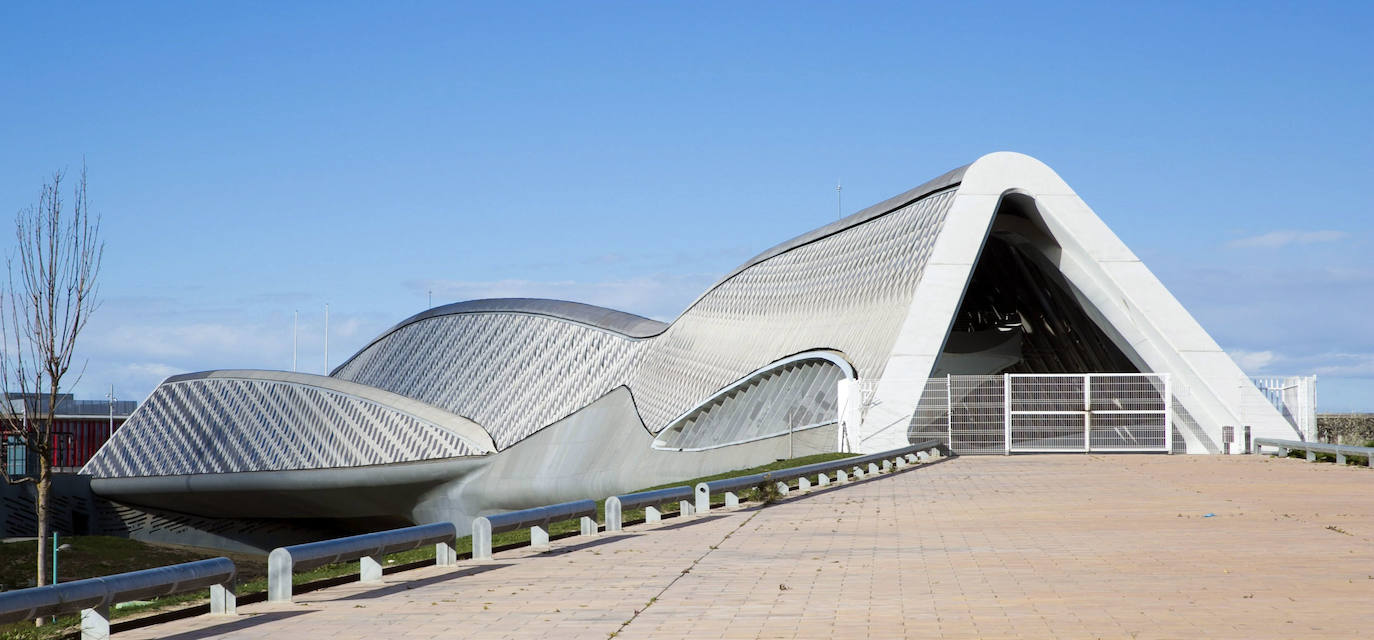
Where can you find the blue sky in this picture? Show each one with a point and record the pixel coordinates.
(253, 159)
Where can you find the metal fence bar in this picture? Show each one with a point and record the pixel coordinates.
(860, 465)
(537, 519)
(617, 505)
(367, 549)
(1313, 448)
(92, 597)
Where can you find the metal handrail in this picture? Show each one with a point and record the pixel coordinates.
(367, 548)
(92, 597)
(782, 476)
(650, 500)
(537, 519)
(1313, 448)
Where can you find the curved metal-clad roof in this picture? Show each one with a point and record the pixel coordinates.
(639, 327)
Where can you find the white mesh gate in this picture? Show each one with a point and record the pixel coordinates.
(1015, 413)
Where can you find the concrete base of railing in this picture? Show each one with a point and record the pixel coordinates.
(95, 623)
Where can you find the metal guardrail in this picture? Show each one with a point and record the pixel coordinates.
(650, 500)
(93, 596)
(367, 549)
(861, 466)
(1313, 448)
(537, 519)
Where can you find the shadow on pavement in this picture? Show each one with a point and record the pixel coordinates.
(407, 585)
(239, 623)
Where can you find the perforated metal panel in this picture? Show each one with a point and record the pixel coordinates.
(795, 396)
(225, 425)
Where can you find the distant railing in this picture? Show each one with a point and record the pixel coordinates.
(1313, 448)
(93, 597)
(537, 519)
(367, 549)
(861, 465)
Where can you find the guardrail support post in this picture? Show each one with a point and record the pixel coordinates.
(911, 457)
(822, 479)
(445, 555)
(685, 508)
(1283, 452)
(279, 576)
(703, 496)
(873, 468)
(614, 518)
(841, 476)
(900, 462)
(1369, 461)
(481, 539)
(1311, 455)
(803, 484)
(222, 599)
(369, 570)
(586, 526)
(1340, 458)
(731, 500)
(652, 515)
(539, 537)
(887, 466)
(858, 473)
(782, 488)
(95, 623)
(922, 456)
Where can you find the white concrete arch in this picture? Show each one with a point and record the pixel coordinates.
(1112, 284)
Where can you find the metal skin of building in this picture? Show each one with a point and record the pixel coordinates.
(488, 405)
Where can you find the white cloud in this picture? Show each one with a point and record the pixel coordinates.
(1276, 239)
(1252, 361)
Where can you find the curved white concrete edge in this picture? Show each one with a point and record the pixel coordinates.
(1208, 384)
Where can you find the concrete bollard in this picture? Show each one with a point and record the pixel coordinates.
(369, 570)
(539, 537)
(614, 516)
(586, 526)
(222, 600)
(703, 496)
(445, 555)
(481, 539)
(95, 623)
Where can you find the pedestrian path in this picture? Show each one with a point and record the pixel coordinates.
(1072, 546)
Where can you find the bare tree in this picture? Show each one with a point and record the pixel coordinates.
(51, 295)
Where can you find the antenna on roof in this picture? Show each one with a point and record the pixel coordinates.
(839, 199)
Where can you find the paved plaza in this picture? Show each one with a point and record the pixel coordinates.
(1070, 546)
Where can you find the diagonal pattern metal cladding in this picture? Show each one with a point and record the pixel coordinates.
(511, 373)
(514, 373)
(226, 425)
(849, 291)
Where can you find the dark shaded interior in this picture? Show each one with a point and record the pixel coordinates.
(1011, 291)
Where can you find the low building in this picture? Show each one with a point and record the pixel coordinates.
(83, 426)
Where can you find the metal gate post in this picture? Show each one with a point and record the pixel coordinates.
(949, 410)
(1006, 414)
(1168, 411)
(1087, 413)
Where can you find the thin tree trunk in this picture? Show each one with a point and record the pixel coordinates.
(42, 489)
